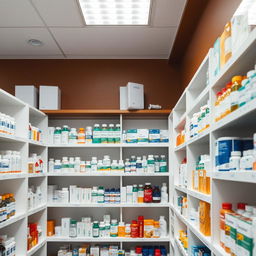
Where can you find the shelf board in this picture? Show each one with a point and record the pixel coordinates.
(12, 220)
(181, 189)
(36, 247)
(200, 196)
(36, 175)
(83, 113)
(200, 138)
(112, 145)
(181, 147)
(180, 246)
(239, 176)
(219, 251)
(36, 209)
(126, 205)
(13, 176)
(106, 239)
(108, 173)
(11, 138)
(10, 100)
(36, 143)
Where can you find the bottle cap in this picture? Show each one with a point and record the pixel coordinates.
(227, 206)
(241, 206)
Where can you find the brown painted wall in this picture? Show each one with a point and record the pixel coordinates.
(94, 84)
(216, 14)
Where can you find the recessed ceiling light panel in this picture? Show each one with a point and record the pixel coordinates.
(115, 12)
(35, 42)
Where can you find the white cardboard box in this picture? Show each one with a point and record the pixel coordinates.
(28, 94)
(123, 98)
(49, 97)
(135, 96)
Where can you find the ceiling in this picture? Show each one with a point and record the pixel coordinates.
(60, 26)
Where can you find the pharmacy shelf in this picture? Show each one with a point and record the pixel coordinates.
(108, 173)
(181, 189)
(12, 220)
(219, 251)
(200, 196)
(36, 209)
(11, 138)
(13, 176)
(36, 143)
(201, 137)
(241, 116)
(121, 145)
(104, 205)
(180, 246)
(108, 239)
(239, 176)
(182, 122)
(180, 147)
(36, 175)
(9, 100)
(244, 55)
(36, 247)
(34, 112)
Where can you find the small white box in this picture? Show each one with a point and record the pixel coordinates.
(49, 97)
(123, 195)
(95, 251)
(28, 94)
(135, 96)
(123, 98)
(65, 224)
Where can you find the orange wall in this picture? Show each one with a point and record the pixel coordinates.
(94, 84)
(216, 14)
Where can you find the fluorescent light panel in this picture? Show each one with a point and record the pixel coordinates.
(115, 12)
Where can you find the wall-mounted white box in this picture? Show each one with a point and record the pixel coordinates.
(49, 97)
(135, 96)
(123, 98)
(28, 94)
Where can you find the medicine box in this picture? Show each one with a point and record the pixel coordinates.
(49, 97)
(28, 94)
(135, 96)
(65, 224)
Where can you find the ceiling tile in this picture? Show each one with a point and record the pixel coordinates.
(111, 42)
(64, 13)
(13, 41)
(18, 13)
(167, 12)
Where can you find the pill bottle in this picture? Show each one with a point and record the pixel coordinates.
(234, 161)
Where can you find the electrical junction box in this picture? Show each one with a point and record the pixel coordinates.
(49, 97)
(28, 94)
(135, 96)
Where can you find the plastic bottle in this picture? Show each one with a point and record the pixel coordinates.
(157, 231)
(139, 168)
(151, 164)
(226, 208)
(243, 161)
(148, 198)
(57, 166)
(163, 164)
(156, 194)
(240, 208)
(127, 167)
(141, 226)
(94, 164)
(71, 164)
(77, 164)
(64, 134)
(111, 134)
(88, 135)
(72, 136)
(249, 160)
(163, 226)
(117, 133)
(114, 228)
(138, 251)
(133, 164)
(81, 136)
(127, 230)
(135, 194)
(87, 166)
(157, 163)
(106, 163)
(96, 134)
(140, 194)
(104, 133)
(121, 165)
(95, 229)
(121, 229)
(114, 166)
(164, 193)
(73, 229)
(94, 195)
(102, 229)
(144, 164)
(134, 229)
(57, 136)
(234, 161)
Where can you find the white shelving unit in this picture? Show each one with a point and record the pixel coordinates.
(225, 186)
(20, 182)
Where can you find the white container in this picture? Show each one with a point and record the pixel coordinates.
(65, 226)
(135, 96)
(123, 98)
(28, 94)
(49, 97)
